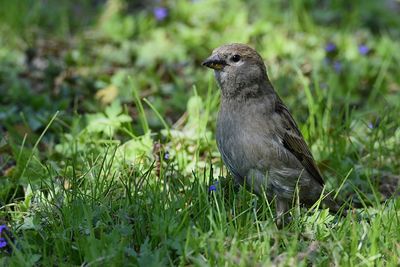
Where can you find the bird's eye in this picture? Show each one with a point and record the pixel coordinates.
(235, 58)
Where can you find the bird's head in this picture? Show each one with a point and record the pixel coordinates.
(236, 66)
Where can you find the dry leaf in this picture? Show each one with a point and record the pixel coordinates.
(107, 95)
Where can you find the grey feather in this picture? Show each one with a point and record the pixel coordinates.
(259, 141)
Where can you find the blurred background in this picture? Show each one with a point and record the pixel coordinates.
(95, 92)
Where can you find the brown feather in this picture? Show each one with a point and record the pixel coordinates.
(293, 141)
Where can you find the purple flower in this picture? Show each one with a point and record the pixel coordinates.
(337, 66)
(3, 241)
(363, 49)
(160, 13)
(213, 187)
(166, 155)
(330, 47)
(374, 124)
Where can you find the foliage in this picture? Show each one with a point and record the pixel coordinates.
(107, 121)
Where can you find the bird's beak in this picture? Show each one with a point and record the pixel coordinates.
(214, 62)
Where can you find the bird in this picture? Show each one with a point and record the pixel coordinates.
(257, 137)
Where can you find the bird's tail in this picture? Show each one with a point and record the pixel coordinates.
(339, 206)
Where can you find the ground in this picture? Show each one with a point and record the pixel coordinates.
(107, 132)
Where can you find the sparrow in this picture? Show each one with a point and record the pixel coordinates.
(259, 141)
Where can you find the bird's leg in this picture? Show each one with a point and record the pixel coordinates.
(282, 209)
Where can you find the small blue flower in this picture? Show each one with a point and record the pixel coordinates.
(330, 47)
(370, 125)
(166, 155)
(337, 66)
(3, 241)
(213, 187)
(363, 49)
(160, 13)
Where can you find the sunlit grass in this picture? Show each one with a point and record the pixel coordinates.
(137, 179)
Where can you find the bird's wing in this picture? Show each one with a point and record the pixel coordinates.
(294, 142)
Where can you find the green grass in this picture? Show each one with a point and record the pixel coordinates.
(107, 147)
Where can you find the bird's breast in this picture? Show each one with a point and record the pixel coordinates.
(244, 141)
